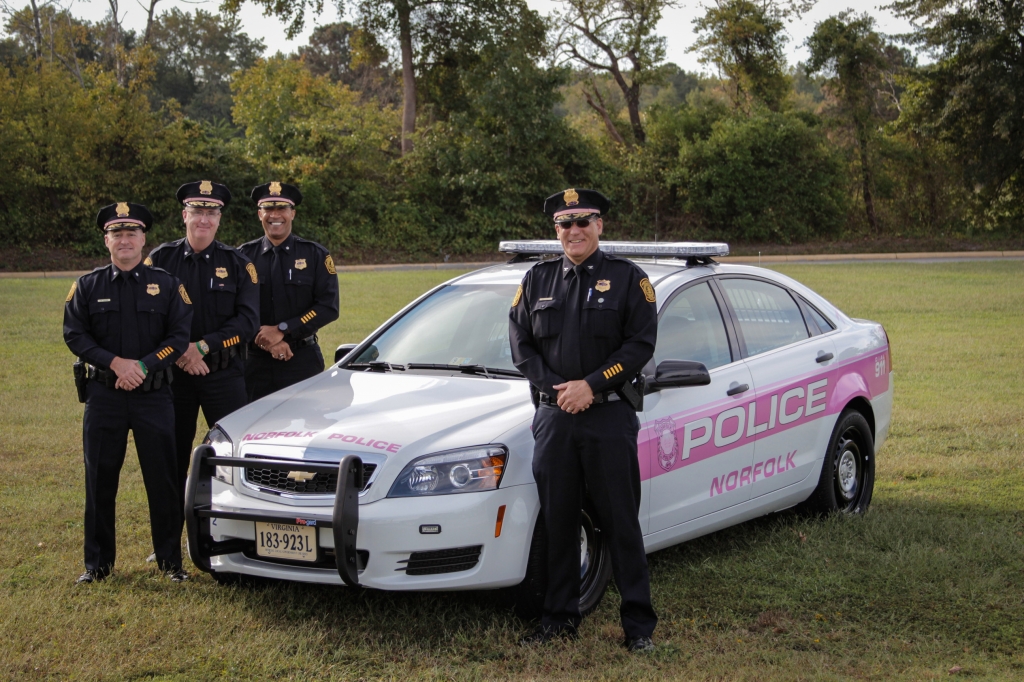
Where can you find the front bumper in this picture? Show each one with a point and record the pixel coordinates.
(387, 536)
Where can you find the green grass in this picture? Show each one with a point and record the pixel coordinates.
(931, 578)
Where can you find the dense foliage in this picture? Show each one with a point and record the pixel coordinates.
(510, 107)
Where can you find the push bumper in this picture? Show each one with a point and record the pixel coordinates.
(199, 509)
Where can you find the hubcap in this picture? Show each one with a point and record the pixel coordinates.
(584, 552)
(847, 469)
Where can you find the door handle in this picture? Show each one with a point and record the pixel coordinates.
(824, 357)
(736, 390)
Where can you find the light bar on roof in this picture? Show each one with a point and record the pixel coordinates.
(632, 249)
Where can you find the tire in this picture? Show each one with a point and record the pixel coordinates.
(847, 478)
(595, 569)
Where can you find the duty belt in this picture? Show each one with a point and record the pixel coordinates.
(295, 345)
(154, 380)
(602, 397)
(220, 359)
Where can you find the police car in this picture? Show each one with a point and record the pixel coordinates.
(407, 464)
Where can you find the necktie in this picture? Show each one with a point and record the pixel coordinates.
(570, 346)
(129, 318)
(195, 293)
(277, 286)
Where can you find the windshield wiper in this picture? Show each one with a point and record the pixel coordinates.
(468, 369)
(376, 366)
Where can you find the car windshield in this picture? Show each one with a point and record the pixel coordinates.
(461, 324)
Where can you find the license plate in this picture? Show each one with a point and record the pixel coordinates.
(285, 541)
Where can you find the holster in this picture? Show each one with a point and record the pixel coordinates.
(79, 371)
(633, 391)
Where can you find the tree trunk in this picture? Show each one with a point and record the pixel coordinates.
(865, 173)
(408, 76)
(599, 107)
(38, 28)
(633, 105)
(149, 22)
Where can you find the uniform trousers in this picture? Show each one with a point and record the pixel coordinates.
(219, 394)
(264, 374)
(595, 448)
(109, 414)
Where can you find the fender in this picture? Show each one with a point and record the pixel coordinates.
(849, 386)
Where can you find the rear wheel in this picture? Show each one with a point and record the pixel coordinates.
(595, 568)
(847, 478)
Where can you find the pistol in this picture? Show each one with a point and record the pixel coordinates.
(78, 369)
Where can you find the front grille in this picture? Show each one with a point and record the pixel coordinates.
(442, 561)
(320, 484)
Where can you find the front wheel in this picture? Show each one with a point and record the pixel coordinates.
(595, 568)
(848, 473)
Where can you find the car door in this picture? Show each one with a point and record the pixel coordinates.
(790, 363)
(694, 436)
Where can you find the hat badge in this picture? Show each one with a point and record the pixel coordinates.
(275, 189)
(571, 198)
(206, 187)
(122, 209)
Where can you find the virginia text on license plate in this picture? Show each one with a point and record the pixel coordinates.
(285, 541)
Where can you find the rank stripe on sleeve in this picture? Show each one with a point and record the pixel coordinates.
(308, 316)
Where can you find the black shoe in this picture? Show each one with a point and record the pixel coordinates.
(176, 575)
(544, 634)
(151, 558)
(639, 645)
(91, 576)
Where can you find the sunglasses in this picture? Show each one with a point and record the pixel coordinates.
(580, 222)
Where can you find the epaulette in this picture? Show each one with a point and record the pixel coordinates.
(310, 241)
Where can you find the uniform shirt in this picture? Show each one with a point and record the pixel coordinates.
(618, 323)
(306, 274)
(223, 286)
(95, 321)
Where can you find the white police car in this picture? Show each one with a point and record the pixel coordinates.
(407, 465)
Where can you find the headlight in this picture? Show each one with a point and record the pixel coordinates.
(222, 447)
(468, 470)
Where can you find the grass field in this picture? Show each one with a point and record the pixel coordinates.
(931, 580)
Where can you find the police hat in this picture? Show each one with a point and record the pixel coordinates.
(576, 202)
(204, 194)
(276, 195)
(123, 215)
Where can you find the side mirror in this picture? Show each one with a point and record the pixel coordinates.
(343, 350)
(672, 373)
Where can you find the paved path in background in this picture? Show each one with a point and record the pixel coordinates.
(837, 258)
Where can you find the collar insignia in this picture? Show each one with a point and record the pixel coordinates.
(300, 263)
(122, 209)
(222, 273)
(571, 198)
(603, 285)
(206, 187)
(153, 289)
(275, 189)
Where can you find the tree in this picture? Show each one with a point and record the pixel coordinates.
(196, 55)
(745, 40)
(351, 55)
(972, 97)
(847, 48)
(616, 37)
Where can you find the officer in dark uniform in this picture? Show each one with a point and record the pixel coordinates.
(581, 326)
(298, 295)
(222, 284)
(128, 323)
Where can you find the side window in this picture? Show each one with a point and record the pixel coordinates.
(768, 316)
(691, 328)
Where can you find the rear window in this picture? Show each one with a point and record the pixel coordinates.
(768, 316)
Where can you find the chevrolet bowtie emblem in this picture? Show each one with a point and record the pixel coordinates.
(301, 476)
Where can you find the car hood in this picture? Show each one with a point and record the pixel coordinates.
(394, 417)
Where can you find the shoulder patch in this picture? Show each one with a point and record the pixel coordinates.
(71, 294)
(148, 262)
(251, 269)
(329, 262)
(648, 290)
(519, 295)
(184, 294)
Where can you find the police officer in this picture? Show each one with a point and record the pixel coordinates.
(222, 284)
(298, 295)
(581, 326)
(128, 323)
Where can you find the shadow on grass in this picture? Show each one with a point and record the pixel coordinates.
(905, 570)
